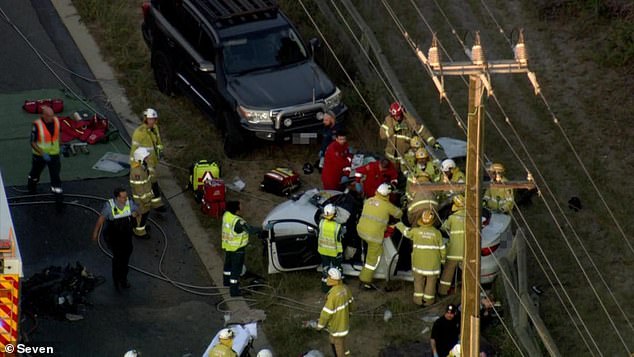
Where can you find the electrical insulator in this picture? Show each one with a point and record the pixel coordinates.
(433, 54)
(477, 54)
(520, 50)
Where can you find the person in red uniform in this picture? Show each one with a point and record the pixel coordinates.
(376, 173)
(336, 162)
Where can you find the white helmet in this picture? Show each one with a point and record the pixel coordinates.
(265, 353)
(384, 189)
(132, 353)
(447, 165)
(225, 334)
(330, 210)
(455, 351)
(334, 274)
(140, 154)
(313, 353)
(150, 113)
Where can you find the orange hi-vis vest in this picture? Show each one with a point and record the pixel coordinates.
(45, 141)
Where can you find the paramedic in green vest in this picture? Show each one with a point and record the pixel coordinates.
(500, 200)
(428, 253)
(371, 228)
(235, 237)
(141, 187)
(329, 244)
(45, 138)
(335, 315)
(455, 226)
(148, 136)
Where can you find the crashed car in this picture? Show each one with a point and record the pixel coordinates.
(291, 232)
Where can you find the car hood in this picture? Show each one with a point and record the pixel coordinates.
(300, 209)
(281, 87)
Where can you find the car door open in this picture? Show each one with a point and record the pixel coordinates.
(291, 245)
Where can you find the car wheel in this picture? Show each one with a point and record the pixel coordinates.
(234, 143)
(163, 72)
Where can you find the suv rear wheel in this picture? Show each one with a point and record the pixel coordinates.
(234, 143)
(163, 72)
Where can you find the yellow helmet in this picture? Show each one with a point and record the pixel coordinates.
(458, 202)
(415, 142)
(421, 153)
(426, 218)
(497, 168)
(422, 177)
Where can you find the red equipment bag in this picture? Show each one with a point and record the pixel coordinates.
(281, 181)
(35, 106)
(213, 202)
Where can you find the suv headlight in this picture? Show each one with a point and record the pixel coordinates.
(334, 100)
(255, 116)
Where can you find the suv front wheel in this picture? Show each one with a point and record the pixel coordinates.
(163, 72)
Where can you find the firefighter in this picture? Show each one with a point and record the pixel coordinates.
(418, 199)
(335, 315)
(225, 342)
(428, 253)
(337, 161)
(235, 237)
(498, 199)
(450, 173)
(409, 157)
(455, 226)
(375, 173)
(423, 163)
(45, 138)
(147, 135)
(141, 190)
(371, 228)
(398, 129)
(118, 213)
(329, 244)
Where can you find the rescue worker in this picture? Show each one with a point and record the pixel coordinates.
(45, 139)
(375, 173)
(398, 129)
(455, 226)
(445, 332)
(335, 315)
(329, 244)
(331, 127)
(371, 228)
(450, 173)
(147, 135)
(225, 342)
(417, 198)
(141, 187)
(428, 253)
(235, 237)
(117, 213)
(337, 161)
(423, 163)
(498, 199)
(409, 157)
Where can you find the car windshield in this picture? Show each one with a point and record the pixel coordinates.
(264, 49)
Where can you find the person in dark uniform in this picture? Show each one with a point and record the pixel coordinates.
(445, 332)
(45, 139)
(117, 213)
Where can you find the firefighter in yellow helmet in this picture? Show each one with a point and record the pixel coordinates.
(329, 244)
(141, 187)
(455, 226)
(371, 228)
(428, 253)
(418, 199)
(225, 342)
(335, 315)
(450, 173)
(498, 199)
(147, 136)
(409, 158)
(398, 129)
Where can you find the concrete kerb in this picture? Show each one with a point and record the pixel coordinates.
(179, 203)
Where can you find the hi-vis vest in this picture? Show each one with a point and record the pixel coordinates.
(45, 141)
(428, 249)
(328, 244)
(118, 213)
(232, 241)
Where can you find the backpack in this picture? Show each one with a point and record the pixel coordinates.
(199, 172)
(213, 198)
(281, 181)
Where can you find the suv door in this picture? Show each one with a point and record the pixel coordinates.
(292, 245)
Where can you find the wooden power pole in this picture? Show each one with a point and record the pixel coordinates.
(478, 71)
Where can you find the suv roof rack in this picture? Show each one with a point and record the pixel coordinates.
(230, 12)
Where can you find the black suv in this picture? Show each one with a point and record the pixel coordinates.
(244, 64)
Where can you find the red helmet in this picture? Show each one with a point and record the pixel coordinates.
(396, 110)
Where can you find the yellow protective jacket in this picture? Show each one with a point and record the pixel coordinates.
(455, 226)
(398, 135)
(335, 315)
(329, 242)
(141, 187)
(232, 241)
(221, 350)
(428, 248)
(375, 217)
(499, 199)
(149, 139)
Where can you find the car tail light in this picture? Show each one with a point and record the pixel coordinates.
(146, 8)
(489, 250)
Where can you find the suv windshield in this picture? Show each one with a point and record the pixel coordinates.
(263, 49)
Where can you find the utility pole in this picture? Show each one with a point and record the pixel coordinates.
(478, 71)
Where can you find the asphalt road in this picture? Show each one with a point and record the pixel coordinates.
(153, 316)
